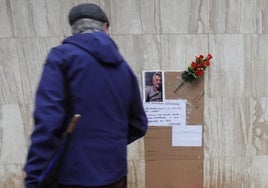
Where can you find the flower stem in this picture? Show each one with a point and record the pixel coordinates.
(181, 84)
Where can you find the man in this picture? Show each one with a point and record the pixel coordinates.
(86, 75)
(154, 93)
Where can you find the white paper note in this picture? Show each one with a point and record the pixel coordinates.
(167, 113)
(189, 135)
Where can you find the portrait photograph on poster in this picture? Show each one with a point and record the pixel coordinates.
(161, 112)
(153, 88)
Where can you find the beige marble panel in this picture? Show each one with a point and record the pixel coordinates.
(77, 2)
(184, 16)
(26, 111)
(50, 17)
(135, 17)
(235, 142)
(228, 172)
(11, 176)
(140, 51)
(240, 64)
(20, 67)
(232, 65)
(32, 53)
(258, 171)
(262, 15)
(13, 147)
(167, 52)
(22, 18)
(261, 67)
(178, 51)
(236, 172)
(6, 19)
(228, 127)
(37, 17)
(136, 150)
(260, 126)
(234, 16)
(40, 18)
(136, 177)
(9, 72)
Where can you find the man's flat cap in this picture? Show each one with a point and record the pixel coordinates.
(87, 10)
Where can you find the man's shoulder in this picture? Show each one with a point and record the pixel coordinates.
(149, 89)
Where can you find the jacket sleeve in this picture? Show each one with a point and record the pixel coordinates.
(138, 122)
(49, 114)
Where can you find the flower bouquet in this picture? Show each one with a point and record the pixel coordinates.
(195, 70)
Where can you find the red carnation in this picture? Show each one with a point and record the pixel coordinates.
(200, 57)
(199, 72)
(209, 56)
(200, 65)
(194, 66)
(207, 63)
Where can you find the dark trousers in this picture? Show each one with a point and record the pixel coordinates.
(122, 183)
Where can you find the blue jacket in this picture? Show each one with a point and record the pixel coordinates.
(86, 75)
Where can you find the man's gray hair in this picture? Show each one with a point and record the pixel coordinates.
(86, 24)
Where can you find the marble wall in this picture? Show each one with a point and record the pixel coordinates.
(152, 34)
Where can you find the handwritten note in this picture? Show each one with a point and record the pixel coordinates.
(167, 113)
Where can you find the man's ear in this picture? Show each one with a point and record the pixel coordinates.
(105, 27)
